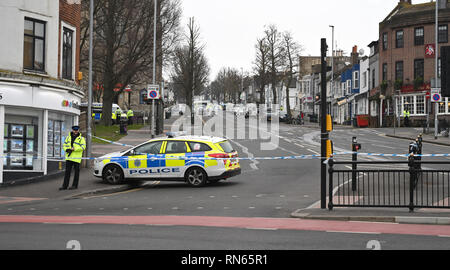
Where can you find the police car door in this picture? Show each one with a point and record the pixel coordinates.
(174, 166)
(145, 161)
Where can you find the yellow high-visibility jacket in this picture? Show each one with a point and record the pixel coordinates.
(79, 145)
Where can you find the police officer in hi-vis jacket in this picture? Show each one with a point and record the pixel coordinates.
(74, 146)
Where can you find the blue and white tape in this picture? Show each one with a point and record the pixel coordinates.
(234, 158)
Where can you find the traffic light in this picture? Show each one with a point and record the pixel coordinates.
(445, 71)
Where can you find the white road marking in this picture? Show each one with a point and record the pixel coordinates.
(312, 151)
(299, 145)
(253, 163)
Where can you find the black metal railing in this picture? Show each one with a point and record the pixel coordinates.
(406, 185)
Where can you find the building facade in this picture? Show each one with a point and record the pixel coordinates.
(39, 85)
(407, 61)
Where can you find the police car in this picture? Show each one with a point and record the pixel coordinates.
(196, 160)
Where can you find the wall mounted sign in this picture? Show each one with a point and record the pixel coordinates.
(430, 50)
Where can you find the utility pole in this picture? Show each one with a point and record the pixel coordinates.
(324, 134)
(154, 67)
(89, 111)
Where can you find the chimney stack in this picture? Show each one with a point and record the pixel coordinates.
(405, 1)
(355, 55)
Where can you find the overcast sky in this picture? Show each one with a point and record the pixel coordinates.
(229, 28)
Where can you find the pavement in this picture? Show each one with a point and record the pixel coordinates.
(90, 185)
(412, 133)
(48, 188)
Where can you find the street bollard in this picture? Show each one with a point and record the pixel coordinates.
(419, 141)
(355, 148)
(412, 180)
(330, 184)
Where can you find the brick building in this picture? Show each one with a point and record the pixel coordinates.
(40, 90)
(407, 59)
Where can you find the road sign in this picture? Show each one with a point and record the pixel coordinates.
(153, 91)
(428, 95)
(436, 95)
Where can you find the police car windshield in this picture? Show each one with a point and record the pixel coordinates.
(226, 146)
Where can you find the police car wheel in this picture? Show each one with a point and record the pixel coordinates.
(196, 177)
(113, 175)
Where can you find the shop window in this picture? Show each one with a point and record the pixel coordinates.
(56, 135)
(441, 107)
(20, 146)
(408, 104)
(420, 104)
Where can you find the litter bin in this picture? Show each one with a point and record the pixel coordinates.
(168, 114)
(123, 125)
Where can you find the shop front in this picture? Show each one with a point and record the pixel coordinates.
(34, 122)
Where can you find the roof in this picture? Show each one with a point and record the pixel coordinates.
(411, 14)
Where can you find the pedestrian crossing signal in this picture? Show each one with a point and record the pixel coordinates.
(329, 123)
(329, 148)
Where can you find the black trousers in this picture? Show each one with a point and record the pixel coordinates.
(69, 166)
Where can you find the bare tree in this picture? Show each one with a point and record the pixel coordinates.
(190, 67)
(291, 49)
(123, 37)
(275, 49)
(227, 84)
(261, 65)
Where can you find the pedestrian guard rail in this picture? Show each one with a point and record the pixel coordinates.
(405, 185)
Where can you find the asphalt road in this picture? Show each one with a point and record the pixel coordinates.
(265, 189)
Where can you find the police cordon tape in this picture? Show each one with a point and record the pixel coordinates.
(229, 158)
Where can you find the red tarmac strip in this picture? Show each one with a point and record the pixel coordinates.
(238, 222)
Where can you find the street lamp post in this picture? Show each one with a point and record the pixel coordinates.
(154, 67)
(89, 112)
